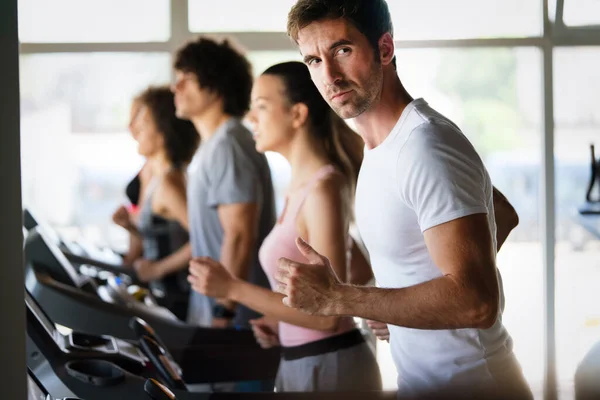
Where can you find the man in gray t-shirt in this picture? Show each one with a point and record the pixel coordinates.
(229, 190)
(227, 170)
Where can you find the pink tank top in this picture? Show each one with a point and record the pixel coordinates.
(281, 242)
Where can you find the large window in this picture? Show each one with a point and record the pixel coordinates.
(577, 117)
(494, 96)
(76, 153)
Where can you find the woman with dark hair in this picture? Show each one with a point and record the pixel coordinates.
(159, 234)
(133, 190)
(318, 353)
(134, 187)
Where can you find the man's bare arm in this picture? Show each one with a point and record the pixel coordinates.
(240, 230)
(465, 296)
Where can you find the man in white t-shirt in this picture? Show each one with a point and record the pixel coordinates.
(424, 208)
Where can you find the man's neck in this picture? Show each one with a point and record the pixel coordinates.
(209, 121)
(375, 124)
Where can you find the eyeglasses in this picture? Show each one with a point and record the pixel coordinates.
(183, 78)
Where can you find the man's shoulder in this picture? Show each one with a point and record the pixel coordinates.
(236, 145)
(226, 141)
(436, 140)
(236, 136)
(430, 129)
(235, 130)
(422, 126)
(427, 118)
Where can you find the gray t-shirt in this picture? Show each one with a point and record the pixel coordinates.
(226, 169)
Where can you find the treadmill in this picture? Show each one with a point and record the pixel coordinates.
(104, 305)
(51, 355)
(146, 357)
(93, 367)
(86, 306)
(204, 354)
(75, 366)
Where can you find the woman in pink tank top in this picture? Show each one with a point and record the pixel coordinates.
(318, 353)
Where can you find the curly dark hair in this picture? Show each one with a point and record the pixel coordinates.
(371, 17)
(181, 137)
(221, 68)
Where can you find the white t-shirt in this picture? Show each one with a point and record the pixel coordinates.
(426, 173)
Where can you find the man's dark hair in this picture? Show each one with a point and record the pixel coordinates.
(370, 17)
(181, 138)
(220, 68)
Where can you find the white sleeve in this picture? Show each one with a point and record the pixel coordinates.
(441, 176)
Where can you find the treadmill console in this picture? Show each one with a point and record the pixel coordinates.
(41, 251)
(42, 248)
(81, 342)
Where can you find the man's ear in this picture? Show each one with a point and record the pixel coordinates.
(386, 48)
(214, 95)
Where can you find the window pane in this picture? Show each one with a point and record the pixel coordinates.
(95, 88)
(552, 10)
(581, 12)
(426, 19)
(211, 16)
(577, 125)
(495, 97)
(76, 21)
(76, 153)
(261, 60)
(465, 19)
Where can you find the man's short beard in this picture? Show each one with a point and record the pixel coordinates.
(367, 100)
(362, 106)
